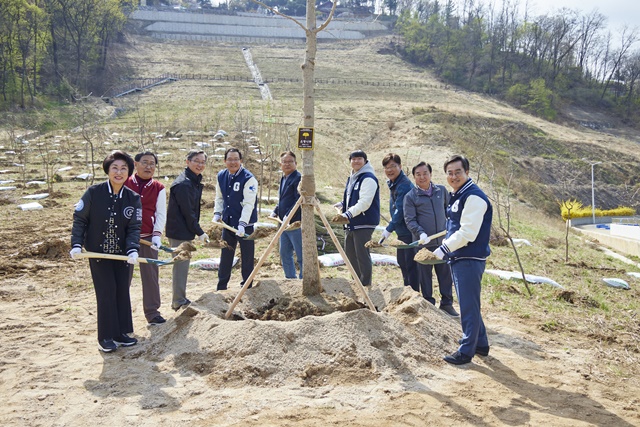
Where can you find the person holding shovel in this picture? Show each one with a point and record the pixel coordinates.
(399, 185)
(107, 220)
(236, 205)
(425, 215)
(154, 217)
(466, 248)
(183, 219)
(360, 206)
(290, 240)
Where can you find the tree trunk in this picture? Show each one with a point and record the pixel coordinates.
(311, 271)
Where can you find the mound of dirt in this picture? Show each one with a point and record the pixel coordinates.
(49, 249)
(326, 339)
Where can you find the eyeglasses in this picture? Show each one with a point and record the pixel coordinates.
(199, 162)
(148, 164)
(231, 160)
(288, 162)
(391, 167)
(457, 173)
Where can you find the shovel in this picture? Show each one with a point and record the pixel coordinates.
(230, 228)
(290, 227)
(121, 258)
(416, 243)
(162, 247)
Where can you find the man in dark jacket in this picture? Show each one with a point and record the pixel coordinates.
(183, 219)
(466, 248)
(424, 212)
(288, 195)
(399, 185)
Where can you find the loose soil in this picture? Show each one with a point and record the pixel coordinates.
(286, 359)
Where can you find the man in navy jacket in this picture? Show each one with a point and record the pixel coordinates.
(399, 186)
(236, 205)
(466, 248)
(288, 195)
(361, 207)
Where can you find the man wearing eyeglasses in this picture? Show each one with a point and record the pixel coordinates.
(236, 205)
(183, 219)
(154, 216)
(466, 248)
(288, 195)
(399, 185)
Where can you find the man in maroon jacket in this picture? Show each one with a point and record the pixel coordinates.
(154, 216)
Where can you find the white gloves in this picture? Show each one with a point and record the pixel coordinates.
(240, 232)
(74, 251)
(424, 239)
(438, 253)
(133, 258)
(216, 217)
(204, 237)
(157, 241)
(273, 215)
(385, 234)
(338, 206)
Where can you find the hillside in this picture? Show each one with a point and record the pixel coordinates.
(562, 357)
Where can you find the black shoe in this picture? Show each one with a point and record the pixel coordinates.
(107, 346)
(184, 304)
(157, 320)
(482, 351)
(125, 340)
(457, 358)
(449, 310)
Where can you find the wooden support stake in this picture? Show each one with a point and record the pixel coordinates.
(262, 259)
(344, 256)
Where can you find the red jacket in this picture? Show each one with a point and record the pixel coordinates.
(154, 205)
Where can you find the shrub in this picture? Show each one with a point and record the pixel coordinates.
(578, 210)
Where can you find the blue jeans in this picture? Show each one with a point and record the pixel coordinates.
(467, 277)
(291, 241)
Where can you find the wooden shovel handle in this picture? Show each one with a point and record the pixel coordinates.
(440, 234)
(106, 256)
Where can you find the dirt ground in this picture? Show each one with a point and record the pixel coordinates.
(346, 365)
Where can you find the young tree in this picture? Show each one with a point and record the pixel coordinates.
(311, 273)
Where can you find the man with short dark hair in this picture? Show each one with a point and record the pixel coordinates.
(288, 195)
(466, 248)
(154, 217)
(399, 185)
(236, 205)
(425, 214)
(183, 219)
(361, 207)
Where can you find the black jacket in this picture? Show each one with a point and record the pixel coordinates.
(183, 213)
(91, 220)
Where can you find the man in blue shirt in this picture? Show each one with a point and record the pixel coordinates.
(288, 195)
(466, 248)
(236, 205)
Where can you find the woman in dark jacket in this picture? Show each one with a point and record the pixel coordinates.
(107, 219)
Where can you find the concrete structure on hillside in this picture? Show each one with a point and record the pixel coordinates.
(247, 28)
(620, 234)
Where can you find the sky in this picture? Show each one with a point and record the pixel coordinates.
(618, 12)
